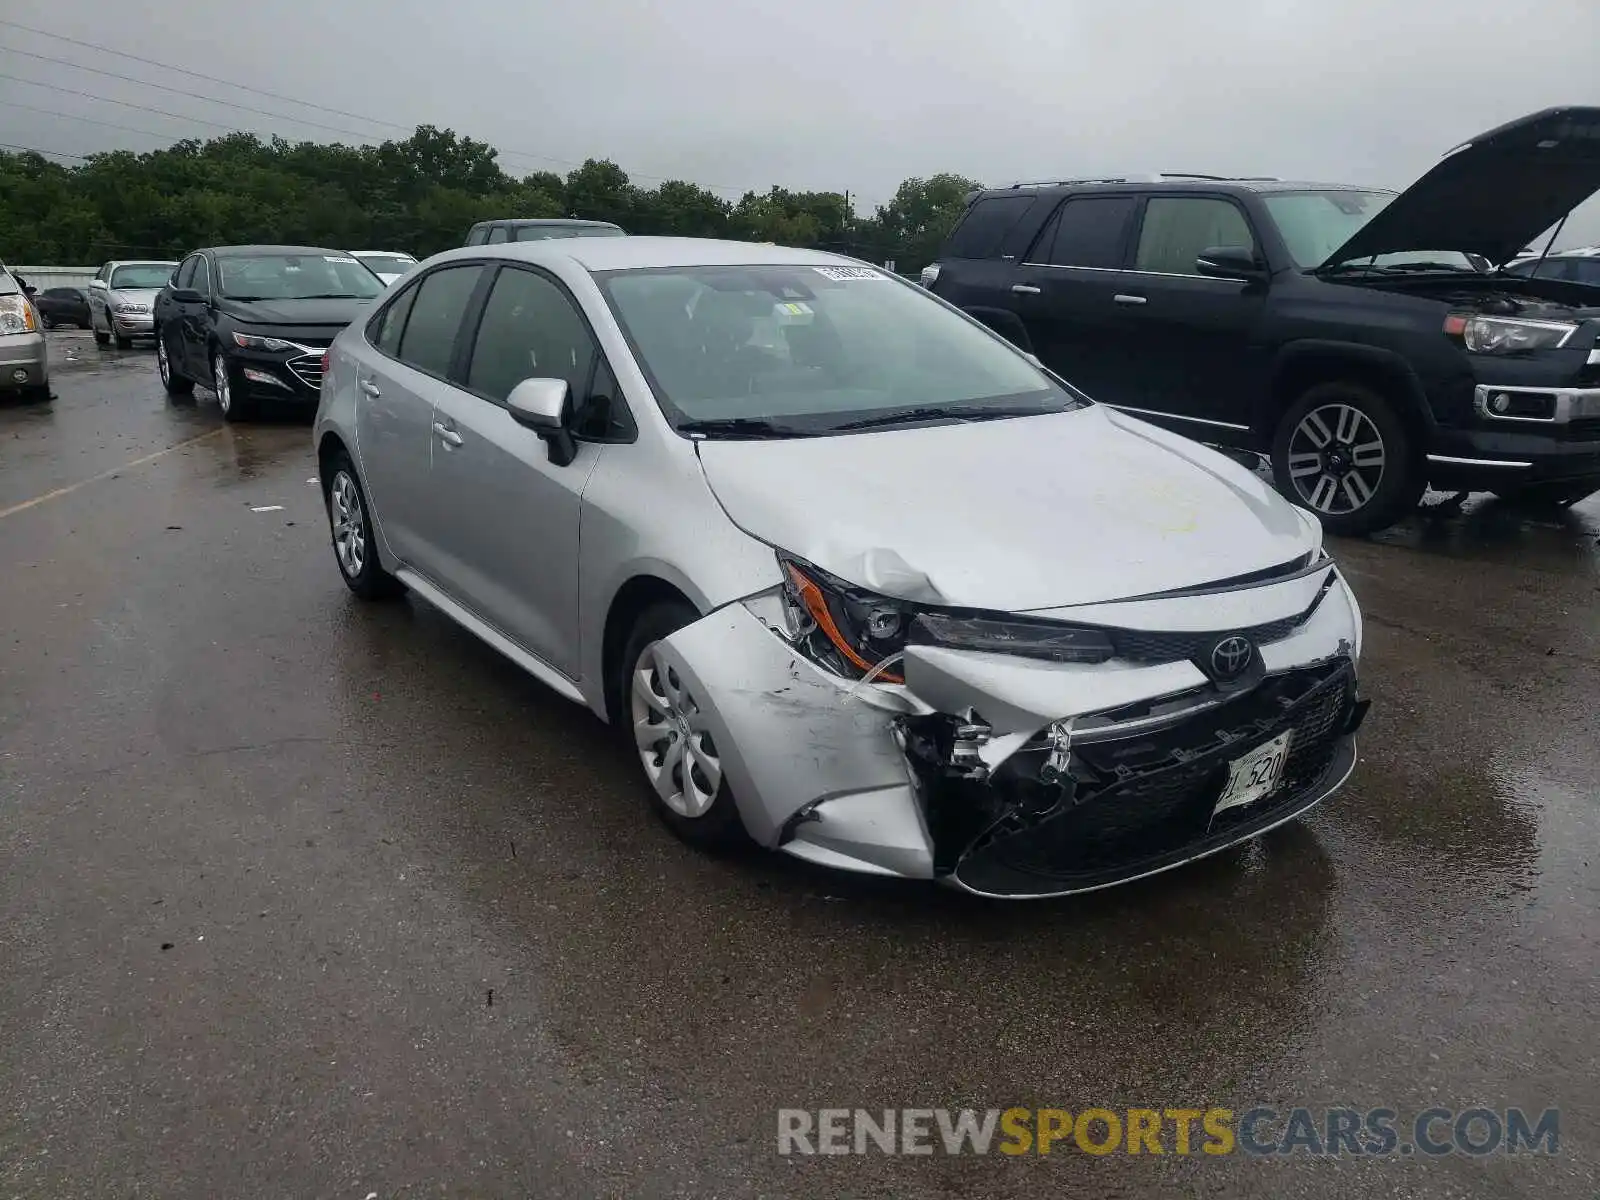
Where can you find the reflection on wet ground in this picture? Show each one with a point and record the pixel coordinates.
(446, 948)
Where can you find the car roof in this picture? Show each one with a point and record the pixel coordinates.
(632, 253)
(1187, 183)
(143, 262)
(263, 251)
(382, 253)
(564, 222)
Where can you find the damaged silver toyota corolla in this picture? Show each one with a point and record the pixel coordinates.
(857, 579)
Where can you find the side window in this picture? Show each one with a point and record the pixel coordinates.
(383, 331)
(429, 339)
(602, 415)
(186, 271)
(1177, 229)
(1088, 231)
(475, 235)
(202, 275)
(497, 235)
(529, 330)
(983, 230)
(1584, 270)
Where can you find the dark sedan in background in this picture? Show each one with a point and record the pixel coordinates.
(252, 322)
(63, 306)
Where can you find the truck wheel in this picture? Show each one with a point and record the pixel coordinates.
(1342, 451)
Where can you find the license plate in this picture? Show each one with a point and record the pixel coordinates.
(1255, 775)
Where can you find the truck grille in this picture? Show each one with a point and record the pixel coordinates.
(308, 370)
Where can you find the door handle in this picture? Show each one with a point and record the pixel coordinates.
(370, 388)
(447, 435)
(1024, 289)
(1122, 299)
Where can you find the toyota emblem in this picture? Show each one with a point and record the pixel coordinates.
(1230, 657)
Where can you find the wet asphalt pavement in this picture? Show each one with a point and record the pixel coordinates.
(305, 898)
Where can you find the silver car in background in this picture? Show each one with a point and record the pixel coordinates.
(854, 578)
(24, 357)
(387, 265)
(121, 298)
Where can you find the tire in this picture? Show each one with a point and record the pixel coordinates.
(176, 384)
(236, 405)
(38, 393)
(1357, 464)
(100, 339)
(351, 531)
(716, 825)
(124, 343)
(45, 322)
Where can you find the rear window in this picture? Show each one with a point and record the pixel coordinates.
(983, 231)
(1088, 231)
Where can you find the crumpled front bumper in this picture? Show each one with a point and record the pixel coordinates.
(1082, 776)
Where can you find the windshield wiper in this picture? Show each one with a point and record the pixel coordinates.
(743, 427)
(943, 412)
(330, 296)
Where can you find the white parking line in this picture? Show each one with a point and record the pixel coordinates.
(138, 462)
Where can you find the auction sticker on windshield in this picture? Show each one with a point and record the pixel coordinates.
(848, 274)
(1256, 774)
(336, 258)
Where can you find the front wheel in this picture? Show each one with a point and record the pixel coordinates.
(1342, 451)
(665, 723)
(175, 383)
(124, 343)
(236, 405)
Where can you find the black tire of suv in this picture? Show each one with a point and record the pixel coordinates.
(175, 383)
(1401, 484)
(719, 829)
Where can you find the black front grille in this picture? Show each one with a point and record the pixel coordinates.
(1137, 800)
(1143, 646)
(308, 370)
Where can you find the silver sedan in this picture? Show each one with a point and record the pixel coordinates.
(855, 579)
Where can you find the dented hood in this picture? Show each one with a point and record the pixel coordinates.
(1033, 512)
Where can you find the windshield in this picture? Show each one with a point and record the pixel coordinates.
(1315, 224)
(815, 348)
(389, 264)
(142, 275)
(296, 277)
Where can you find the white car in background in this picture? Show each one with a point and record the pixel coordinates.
(387, 265)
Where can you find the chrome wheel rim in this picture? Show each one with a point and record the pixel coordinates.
(349, 521)
(161, 359)
(1336, 459)
(219, 376)
(675, 747)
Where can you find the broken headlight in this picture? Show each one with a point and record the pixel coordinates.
(862, 635)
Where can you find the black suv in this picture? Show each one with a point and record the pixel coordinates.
(1359, 338)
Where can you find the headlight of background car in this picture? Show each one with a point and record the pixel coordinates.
(251, 341)
(1507, 335)
(856, 633)
(16, 315)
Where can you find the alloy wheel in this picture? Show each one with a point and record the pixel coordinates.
(349, 522)
(219, 384)
(162, 365)
(675, 747)
(1336, 458)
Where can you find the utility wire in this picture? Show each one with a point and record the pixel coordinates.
(52, 112)
(160, 112)
(36, 150)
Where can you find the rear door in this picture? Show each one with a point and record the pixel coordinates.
(410, 345)
(1199, 359)
(978, 265)
(504, 518)
(1068, 289)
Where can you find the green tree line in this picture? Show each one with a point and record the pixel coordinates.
(420, 194)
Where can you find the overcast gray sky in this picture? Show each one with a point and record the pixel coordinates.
(832, 94)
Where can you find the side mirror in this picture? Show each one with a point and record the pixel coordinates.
(543, 405)
(97, 283)
(1230, 262)
(187, 296)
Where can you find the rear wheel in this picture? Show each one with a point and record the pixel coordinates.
(46, 321)
(666, 725)
(351, 528)
(175, 383)
(1342, 451)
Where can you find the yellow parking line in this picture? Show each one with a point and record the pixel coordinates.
(138, 462)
